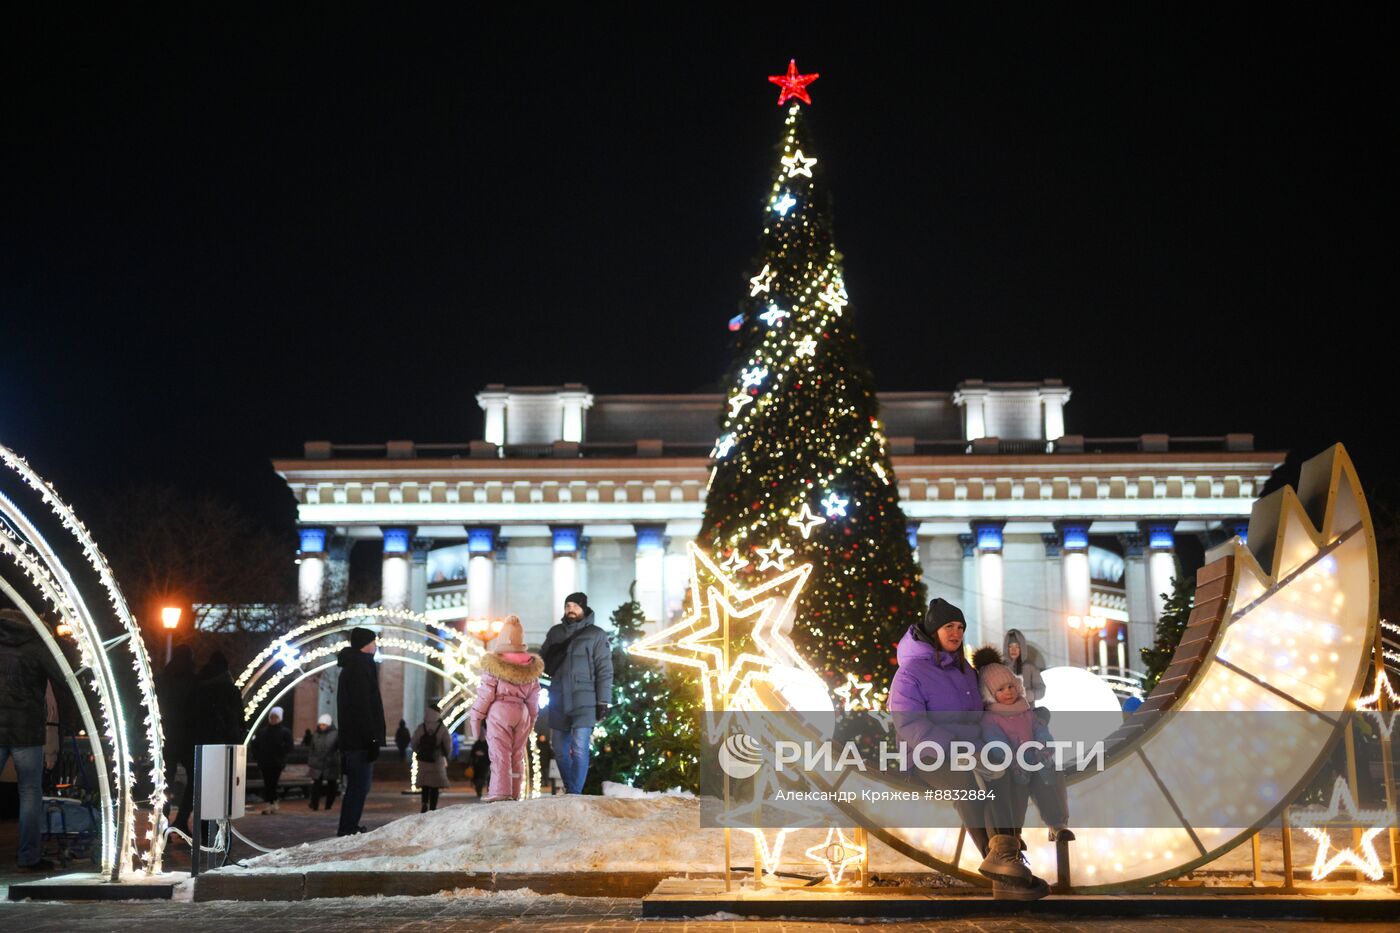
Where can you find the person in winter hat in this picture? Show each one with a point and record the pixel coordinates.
(507, 705)
(1013, 649)
(269, 748)
(323, 762)
(578, 662)
(432, 746)
(1010, 720)
(359, 710)
(935, 697)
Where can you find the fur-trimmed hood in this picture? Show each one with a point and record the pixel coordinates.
(512, 673)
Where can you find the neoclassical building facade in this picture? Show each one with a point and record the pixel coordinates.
(1021, 524)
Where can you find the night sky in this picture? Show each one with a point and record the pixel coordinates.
(221, 237)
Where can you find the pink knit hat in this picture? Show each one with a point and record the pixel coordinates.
(512, 636)
(993, 677)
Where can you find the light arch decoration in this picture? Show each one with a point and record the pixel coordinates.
(113, 673)
(403, 635)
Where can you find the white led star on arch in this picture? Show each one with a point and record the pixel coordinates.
(807, 346)
(835, 506)
(774, 556)
(797, 165)
(784, 204)
(806, 520)
(773, 315)
(762, 282)
(737, 402)
(753, 377)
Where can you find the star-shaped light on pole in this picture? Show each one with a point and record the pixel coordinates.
(761, 612)
(793, 84)
(1364, 856)
(836, 853)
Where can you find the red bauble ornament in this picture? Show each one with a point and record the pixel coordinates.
(793, 84)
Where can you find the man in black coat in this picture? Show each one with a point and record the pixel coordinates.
(26, 670)
(176, 688)
(216, 718)
(360, 713)
(269, 748)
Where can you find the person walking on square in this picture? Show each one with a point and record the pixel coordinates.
(360, 711)
(481, 764)
(432, 746)
(578, 662)
(507, 705)
(270, 747)
(323, 762)
(402, 739)
(176, 688)
(27, 670)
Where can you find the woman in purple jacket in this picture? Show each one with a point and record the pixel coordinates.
(935, 698)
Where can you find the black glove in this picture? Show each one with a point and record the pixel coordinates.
(372, 753)
(602, 711)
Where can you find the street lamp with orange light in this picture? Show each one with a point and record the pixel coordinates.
(485, 629)
(1084, 626)
(170, 620)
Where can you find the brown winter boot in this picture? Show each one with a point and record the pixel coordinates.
(1010, 874)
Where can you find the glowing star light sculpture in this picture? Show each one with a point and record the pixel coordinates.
(1342, 807)
(836, 854)
(721, 605)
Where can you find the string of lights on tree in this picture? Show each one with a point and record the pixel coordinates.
(801, 471)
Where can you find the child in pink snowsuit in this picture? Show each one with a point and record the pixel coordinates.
(508, 702)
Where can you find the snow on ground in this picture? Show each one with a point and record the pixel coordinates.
(553, 834)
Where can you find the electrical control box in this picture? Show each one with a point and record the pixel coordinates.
(222, 781)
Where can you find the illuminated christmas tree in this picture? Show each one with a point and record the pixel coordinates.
(800, 469)
(651, 738)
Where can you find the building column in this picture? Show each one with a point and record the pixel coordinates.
(311, 588)
(574, 400)
(971, 597)
(481, 571)
(1075, 585)
(493, 403)
(650, 569)
(1161, 563)
(1053, 397)
(567, 542)
(1142, 631)
(415, 678)
(991, 613)
(395, 578)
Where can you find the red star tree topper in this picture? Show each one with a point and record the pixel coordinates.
(793, 84)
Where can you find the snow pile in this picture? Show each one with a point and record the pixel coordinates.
(654, 833)
(611, 789)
